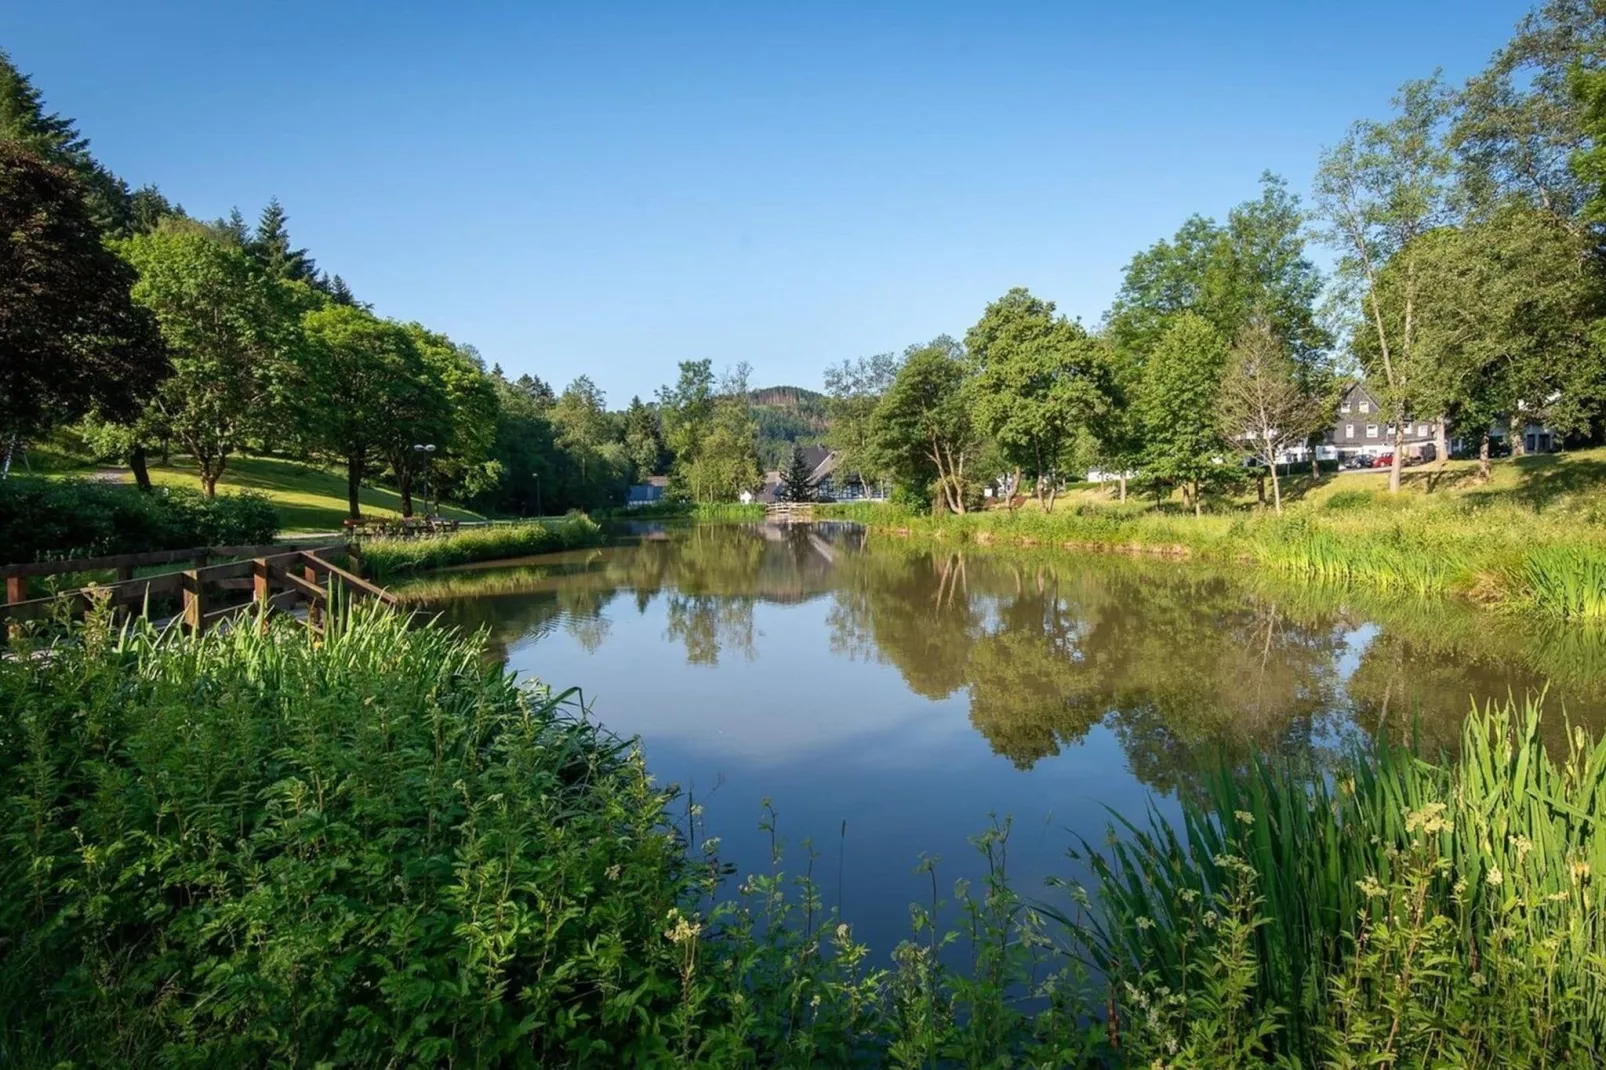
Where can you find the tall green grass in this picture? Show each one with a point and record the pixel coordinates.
(1406, 911)
(1565, 581)
(386, 558)
(701, 512)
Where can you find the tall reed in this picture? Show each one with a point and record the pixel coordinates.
(385, 558)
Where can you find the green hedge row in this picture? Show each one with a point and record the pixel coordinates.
(46, 519)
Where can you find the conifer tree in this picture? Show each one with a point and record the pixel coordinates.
(795, 486)
(270, 247)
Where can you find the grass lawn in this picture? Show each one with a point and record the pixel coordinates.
(308, 498)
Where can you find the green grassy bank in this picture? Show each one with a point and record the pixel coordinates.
(1532, 539)
(387, 558)
(263, 847)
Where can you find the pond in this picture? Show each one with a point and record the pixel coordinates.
(888, 696)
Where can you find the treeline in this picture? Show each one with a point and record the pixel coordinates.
(149, 331)
(1469, 290)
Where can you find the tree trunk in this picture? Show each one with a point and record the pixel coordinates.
(208, 485)
(1399, 456)
(1441, 441)
(1123, 486)
(1315, 465)
(354, 468)
(1260, 486)
(1276, 491)
(1053, 489)
(136, 464)
(404, 485)
(1198, 503)
(1519, 440)
(1483, 457)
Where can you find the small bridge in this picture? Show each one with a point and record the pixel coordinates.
(789, 512)
(279, 578)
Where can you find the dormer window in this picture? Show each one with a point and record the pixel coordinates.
(1366, 406)
(1344, 408)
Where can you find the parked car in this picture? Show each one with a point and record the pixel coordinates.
(1384, 460)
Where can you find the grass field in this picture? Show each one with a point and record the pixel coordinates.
(308, 498)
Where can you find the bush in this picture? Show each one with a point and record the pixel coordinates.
(385, 558)
(44, 519)
(253, 849)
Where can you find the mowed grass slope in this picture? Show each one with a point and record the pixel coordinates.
(307, 497)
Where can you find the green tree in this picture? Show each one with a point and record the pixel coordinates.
(1382, 188)
(462, 432)
(522, 448)
(644, 444)
(1178, 406)
(55, 139)
(853, 390)
(367, 393)
(924, 428)
(725, 462)
(687, 409)
(1263, 406)
(72, 339)
(795, 485)
(581, 419)
(270, 246)
(1038, 387)
(232, 334)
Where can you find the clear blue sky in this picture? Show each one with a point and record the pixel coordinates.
(610, 188)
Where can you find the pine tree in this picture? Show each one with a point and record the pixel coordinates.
(340, 293)
(148, 207)
(644, 443)
(270, 247)
(234, 230)
(795, 485)
(54, 138)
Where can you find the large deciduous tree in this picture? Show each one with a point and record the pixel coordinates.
(366, 393)
(1038, 385)
(1263, 407)
(581, 419)
(1381, 189)
(853, 390)
(1177, 403)
(232, 334)
(643, 439)
(71, 338)
(924, 427)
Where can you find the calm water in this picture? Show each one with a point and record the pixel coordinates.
(909, 691)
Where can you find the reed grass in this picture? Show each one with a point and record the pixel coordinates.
(386, 558)
(1414, 912)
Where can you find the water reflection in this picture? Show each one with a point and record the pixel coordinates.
(1180, 663)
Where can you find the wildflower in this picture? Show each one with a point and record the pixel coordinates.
(1370, 887)
(1244, 816)
(1521, 844)
(710, 845)
(842, 932)
(1429, 820)
(1188, 895)
(613, 872)
(1580, 872)
(1144, 922)
(1495, 877)
(1477, 979)
(681, 930)
(815, 1001)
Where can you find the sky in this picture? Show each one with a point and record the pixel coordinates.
(609, 188)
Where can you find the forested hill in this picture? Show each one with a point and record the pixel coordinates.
(786, 415)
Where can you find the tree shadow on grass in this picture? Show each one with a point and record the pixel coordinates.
(1544, 478)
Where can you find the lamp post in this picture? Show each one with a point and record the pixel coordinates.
(425, 449)
(537, 477)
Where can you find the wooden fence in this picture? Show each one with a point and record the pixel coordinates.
(789, 512)
(279, 578)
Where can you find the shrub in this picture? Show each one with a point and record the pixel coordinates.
(385, 558)
(44, 519)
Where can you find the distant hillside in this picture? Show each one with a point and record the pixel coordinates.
(789, 397)
(787, 415)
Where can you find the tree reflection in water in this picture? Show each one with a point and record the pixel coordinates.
(1182, 663)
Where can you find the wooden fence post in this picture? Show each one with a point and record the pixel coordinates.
(194, 602)
(16, 591)
(260, 590)
(310, 574)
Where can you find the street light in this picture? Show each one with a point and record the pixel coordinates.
(537, 477)
(425, 448)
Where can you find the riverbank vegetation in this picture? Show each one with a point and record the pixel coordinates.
(387, 558)
(460, 869)
(1534, 540)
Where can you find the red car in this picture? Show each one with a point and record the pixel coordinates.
(1384, 461)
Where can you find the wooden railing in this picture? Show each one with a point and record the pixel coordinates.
(279, 578)
(789, 512)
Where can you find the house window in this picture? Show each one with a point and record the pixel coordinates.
(1371, 430)
(1344, 408)
(1425, 430)
(1366, 406)
(1349, 430)
(1388, 432)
